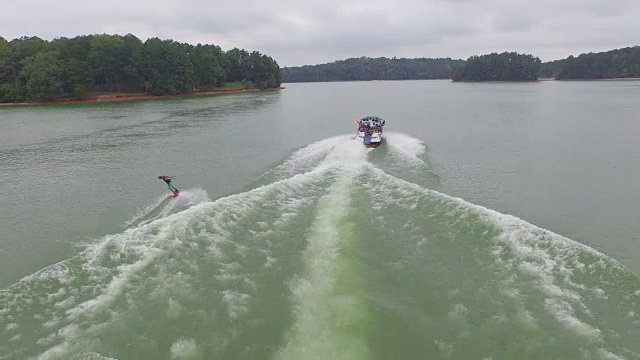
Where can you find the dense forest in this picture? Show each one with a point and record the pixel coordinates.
(366, 68)
(507, 66)
(619, 63)
(34, 69)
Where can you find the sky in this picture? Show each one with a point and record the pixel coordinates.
(299, 32)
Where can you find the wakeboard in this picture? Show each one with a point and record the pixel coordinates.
(175, 195)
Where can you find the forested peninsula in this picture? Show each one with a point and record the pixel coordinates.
(506, 66)
(36, 70)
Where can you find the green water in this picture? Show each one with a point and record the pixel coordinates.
(496, 221)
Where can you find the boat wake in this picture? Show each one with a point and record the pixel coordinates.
(166, 205)
(339, 252)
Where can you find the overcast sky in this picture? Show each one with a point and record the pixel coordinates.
(298, 32)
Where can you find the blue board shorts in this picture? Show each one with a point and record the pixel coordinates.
(170, 186)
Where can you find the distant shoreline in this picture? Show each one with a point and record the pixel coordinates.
(469, 82)
(130, 97)
(549, 79)
(605, 79)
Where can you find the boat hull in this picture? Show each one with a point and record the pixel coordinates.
(370, 140)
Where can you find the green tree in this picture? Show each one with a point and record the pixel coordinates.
(11, 92)
(77, 48)
(167, 67)
(4, 44)
(237, 63)
(106, 59)
(44, 73)
(132, 56)
(76, 78)
(207, 64)
(15, 56)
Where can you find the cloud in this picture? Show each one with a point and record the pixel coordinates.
(311, 32)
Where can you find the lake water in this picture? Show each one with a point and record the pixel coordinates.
(496, 221)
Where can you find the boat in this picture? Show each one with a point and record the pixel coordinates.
(370, 130)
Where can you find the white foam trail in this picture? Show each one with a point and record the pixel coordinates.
(187, 198)
(185, 349)
(606, 355)
(520, 230)
(540, 255)
(346, 155)
(405, 149)
(565, 314)
(191, 197)
(144, 212)
(324, 310)
(314, 150)
(308, 157)
(343, 150)
(91, 356)
(406, 145)
(115, 263)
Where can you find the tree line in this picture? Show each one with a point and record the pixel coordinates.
(507, 66)
(33, 69)
(618, 63)
(366, 68)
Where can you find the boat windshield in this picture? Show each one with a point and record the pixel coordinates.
(371, 124)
